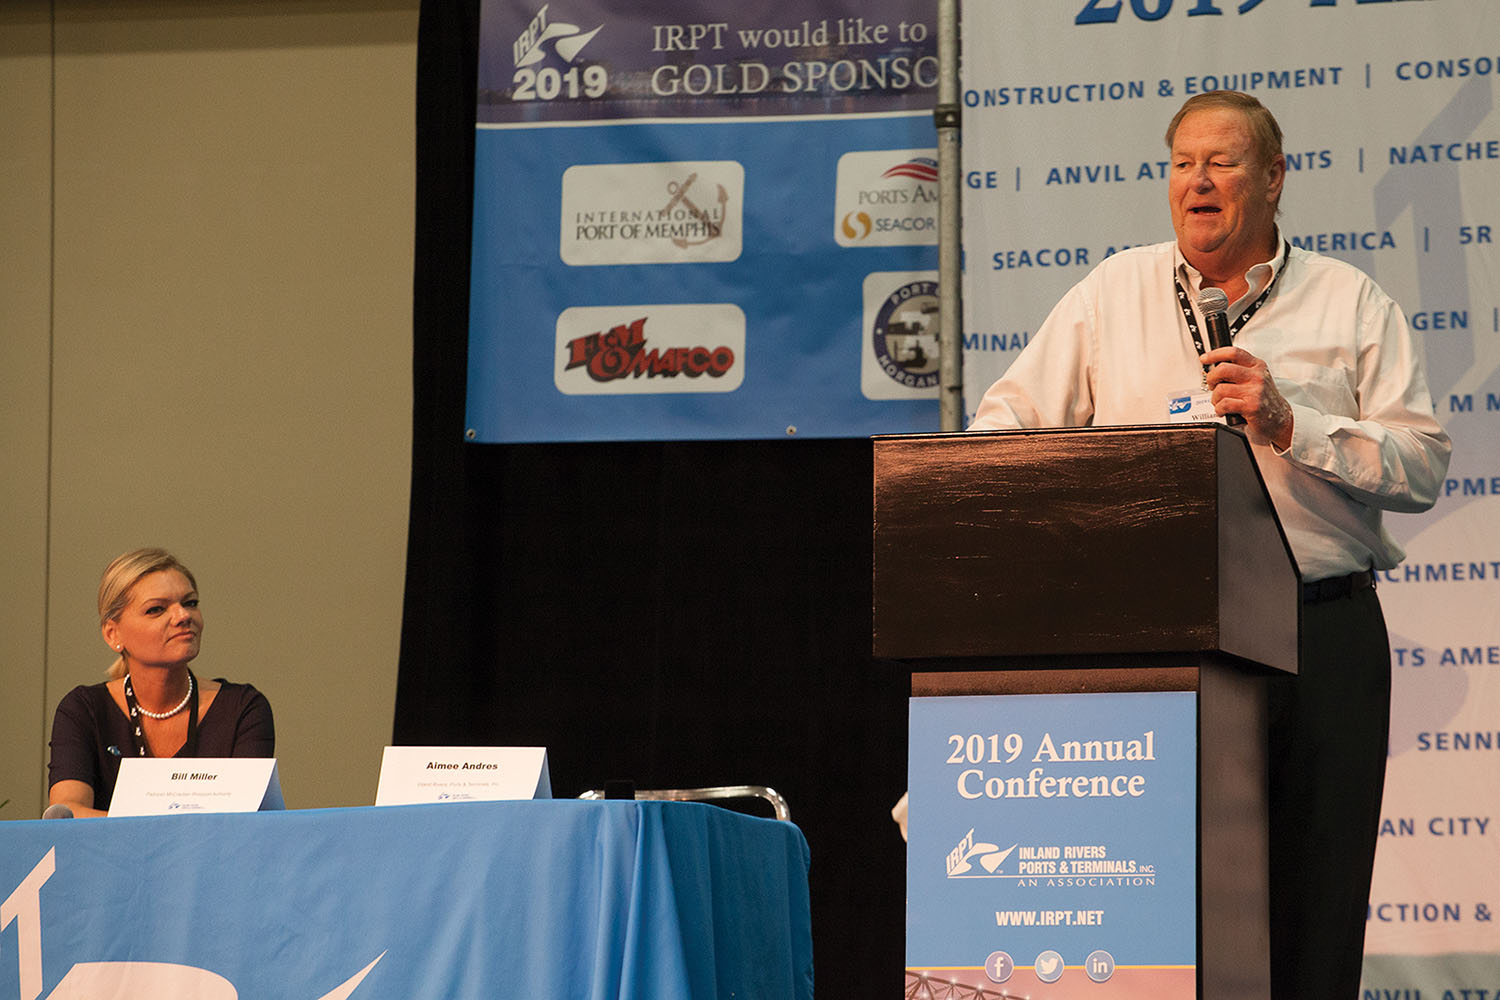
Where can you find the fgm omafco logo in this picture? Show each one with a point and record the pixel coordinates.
(650, 349)
(117, 980)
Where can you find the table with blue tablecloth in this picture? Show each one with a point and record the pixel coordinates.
(648, 900)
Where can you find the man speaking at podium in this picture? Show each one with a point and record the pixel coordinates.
(1321, 370)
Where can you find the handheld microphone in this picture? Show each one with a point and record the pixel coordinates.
(57, 810)
(1214, 303)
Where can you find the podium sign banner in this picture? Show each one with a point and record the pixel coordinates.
(1053, 844)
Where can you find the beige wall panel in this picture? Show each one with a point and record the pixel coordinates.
(234, 188)
(25, 309)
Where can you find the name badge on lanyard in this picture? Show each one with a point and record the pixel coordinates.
(1191, 406)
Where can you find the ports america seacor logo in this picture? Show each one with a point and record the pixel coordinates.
(886, 198)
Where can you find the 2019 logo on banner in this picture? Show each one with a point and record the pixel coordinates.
(547, 83)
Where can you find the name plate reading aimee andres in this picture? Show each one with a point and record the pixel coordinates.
(415, 775)
(160, 786)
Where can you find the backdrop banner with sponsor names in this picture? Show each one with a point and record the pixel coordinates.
(1052, 846)
(703, 220)
(1393, 156)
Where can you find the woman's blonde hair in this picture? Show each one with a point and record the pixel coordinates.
(120, 578)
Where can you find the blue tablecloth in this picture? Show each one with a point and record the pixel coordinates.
(655, 901)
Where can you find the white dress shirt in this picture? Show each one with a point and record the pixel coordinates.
(1364, 439)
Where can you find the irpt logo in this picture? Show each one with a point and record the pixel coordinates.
(567, 39)
(991, 857)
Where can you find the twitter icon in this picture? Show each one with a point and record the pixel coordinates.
(1049, 966)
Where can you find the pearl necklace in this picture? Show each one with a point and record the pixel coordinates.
(171, 712)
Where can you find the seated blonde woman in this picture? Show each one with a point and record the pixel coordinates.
(152, 705)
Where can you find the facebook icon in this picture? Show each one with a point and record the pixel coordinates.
(999, 966)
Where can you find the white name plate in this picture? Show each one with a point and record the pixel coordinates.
(158, 786)
(413, 775)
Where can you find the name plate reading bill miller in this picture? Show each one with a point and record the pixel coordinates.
(160, 786)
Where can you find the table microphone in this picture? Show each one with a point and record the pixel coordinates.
(1213, 302)
(57, 810)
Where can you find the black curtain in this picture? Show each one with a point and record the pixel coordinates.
(672, 613)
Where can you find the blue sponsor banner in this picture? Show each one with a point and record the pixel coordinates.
(1053, 844)
(703, 223)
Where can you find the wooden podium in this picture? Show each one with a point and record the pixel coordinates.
(1144, 558)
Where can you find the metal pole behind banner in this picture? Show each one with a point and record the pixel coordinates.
(950, 302)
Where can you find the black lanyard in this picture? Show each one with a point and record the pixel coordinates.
(1238, 324)
(138, 736)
